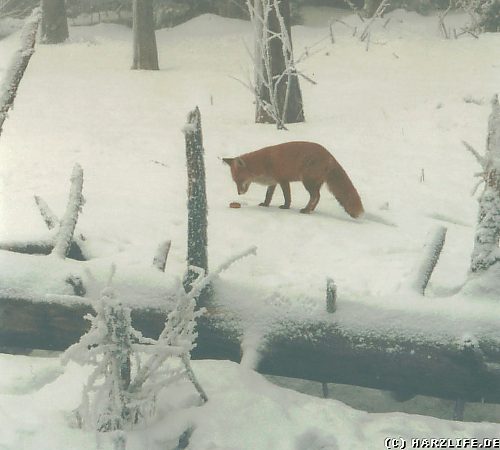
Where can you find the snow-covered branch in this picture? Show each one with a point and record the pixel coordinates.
(15, 72)
(49, 217)
(74, 207)
(429, 259)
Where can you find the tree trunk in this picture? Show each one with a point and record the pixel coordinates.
(370, 7)
(54, 22)
(145, 51)
(275, 74)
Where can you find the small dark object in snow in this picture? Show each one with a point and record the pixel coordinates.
(235, 205)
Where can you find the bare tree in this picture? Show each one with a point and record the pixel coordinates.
(54, 22)
(277, 90)
(145, 51)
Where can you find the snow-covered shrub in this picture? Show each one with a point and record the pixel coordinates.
(489, 16)
(129, 369)
(484, 14)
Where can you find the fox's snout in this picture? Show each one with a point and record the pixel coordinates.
(242, 188)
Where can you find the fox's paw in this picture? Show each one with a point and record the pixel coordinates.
(305, 211)
(264, 204)
(285, 207)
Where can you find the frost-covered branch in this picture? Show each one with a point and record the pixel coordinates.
(179, 335)
(70, 218)
(441, 17)
(480, 159)
(201, 283)
(15, 72)
(129, 369)
(106, 404)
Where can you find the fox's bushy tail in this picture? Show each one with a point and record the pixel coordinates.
(340, 185)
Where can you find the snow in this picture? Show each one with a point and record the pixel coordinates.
(37, 397)
(394, 116)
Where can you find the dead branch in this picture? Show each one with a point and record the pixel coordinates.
(378, 13)
(160, 259)
(68, 223)
(48, 216)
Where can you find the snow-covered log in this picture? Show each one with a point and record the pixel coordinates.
(46, 246)
(327, 350)
(43, 247)
(8, 89)
(486, 250)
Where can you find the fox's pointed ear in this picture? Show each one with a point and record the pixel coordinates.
(228, 161)
(240, 162)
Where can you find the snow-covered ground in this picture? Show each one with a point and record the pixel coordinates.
(394, 115)
(244, 411)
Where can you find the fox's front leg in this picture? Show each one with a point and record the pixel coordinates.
(269, 195)
(285, 187)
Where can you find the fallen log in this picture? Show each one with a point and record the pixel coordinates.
(324, 351)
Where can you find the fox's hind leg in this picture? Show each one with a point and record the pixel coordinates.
(285, 187)
(313, 189)
(269, 195)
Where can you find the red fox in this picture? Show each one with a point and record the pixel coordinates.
(295, 161)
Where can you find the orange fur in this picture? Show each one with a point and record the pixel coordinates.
(296, 161)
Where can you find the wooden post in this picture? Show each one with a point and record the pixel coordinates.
(331, 296)
(197, 202)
